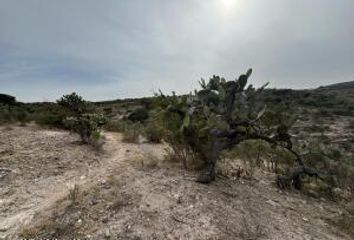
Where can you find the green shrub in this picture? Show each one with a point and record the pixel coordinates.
(81, 117)
(5, 114)
(86, 125)
(154, 132)
(48, 119)
(13, 114)
(75, 105)
(7, 99)
(138, 115)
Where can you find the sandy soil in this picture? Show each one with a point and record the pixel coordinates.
(127, 191)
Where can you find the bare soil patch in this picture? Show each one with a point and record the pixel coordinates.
(127, 191)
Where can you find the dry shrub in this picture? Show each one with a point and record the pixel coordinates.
(49, 229)
(42, 228)
(74, 193)
(146, 161)
(97, 141)
(180, 153)
(115, 126)
(234, 169)
(346, 221)
(132, 133)
(154, 132)
(250, 231)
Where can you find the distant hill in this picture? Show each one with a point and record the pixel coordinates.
(339, 86)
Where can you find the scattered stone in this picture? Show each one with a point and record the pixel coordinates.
(107, 233)
(4, 172)
(272, 203)
(313, 194)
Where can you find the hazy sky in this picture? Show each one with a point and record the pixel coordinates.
(112, 49)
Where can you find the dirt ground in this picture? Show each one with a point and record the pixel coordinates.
(51, 186)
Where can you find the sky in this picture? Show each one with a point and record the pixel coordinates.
(111, 49)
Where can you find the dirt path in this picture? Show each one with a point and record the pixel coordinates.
(128, 193)
(22, 197)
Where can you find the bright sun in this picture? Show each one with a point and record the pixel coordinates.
(228, 3)
(228, 6)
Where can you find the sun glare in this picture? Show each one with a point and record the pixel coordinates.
(228, 6)
(228, 3)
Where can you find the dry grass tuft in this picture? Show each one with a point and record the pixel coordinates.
(74, 194)
(43, 228)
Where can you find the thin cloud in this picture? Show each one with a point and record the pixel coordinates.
(112, 49)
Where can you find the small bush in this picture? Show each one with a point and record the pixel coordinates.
(5, 114)
(86, 125)
(81, 117)
(74, 193)
(48, 119)
(116, 126)
(183, 154)
(154, 132)
(22, 117)
(44, 228)
(138, 115)
(75, 104)
(132, 132)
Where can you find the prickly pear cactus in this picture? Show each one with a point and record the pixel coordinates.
(219, 116)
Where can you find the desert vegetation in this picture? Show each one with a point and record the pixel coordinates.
(242, 142)
(81, 117)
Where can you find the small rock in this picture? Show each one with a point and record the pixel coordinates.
(107, 233)
(313, 193)
(272, 203)
(263, 182)
(305, 219)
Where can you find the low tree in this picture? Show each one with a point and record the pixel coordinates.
(7, 99)
(221, 115)
(75, 105)
(81, 117)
